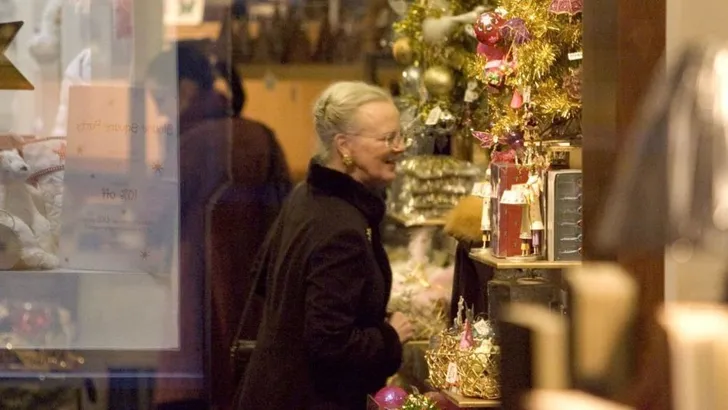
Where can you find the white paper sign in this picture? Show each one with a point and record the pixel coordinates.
(452, 373)
(184, 12)
(481, 326)
(577, 55)
(121, 186)
(434, 116)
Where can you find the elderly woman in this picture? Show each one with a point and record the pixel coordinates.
(324, 341)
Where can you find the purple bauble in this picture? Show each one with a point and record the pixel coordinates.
(515, 139)
(391, 397)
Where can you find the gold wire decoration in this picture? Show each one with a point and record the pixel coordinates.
(478, 372)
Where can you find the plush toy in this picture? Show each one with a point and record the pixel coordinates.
(46, 158)
(45, 46)
(31, 227)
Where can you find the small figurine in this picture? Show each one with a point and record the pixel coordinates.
(458, 323)
(485, 221)
(533, 198)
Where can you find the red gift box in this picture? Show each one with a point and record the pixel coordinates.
(505, 219)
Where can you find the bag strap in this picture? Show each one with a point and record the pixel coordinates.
(258, 269)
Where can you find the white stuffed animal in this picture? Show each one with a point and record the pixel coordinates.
(46, 158)
(45, 46)
(31, 226)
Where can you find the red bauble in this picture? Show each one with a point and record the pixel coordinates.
(491, 53)
(487, 28)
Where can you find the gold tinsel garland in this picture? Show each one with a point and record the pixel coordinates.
(457, 53)
(542, 68)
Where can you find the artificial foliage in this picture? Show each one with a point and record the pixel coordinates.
(524, 76)
(457, 52)
(419, 402)
(545, 69)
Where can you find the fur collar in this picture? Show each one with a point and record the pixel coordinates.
(335, 183)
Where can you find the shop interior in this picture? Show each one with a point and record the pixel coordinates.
(534, 230)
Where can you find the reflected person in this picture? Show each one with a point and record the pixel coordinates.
(203, 143)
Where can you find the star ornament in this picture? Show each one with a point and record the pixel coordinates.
(10, 76)
(157, 168)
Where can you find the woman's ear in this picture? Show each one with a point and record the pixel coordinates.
(342, 144)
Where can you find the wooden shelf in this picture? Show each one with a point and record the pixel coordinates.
(311, 71)
(487, 258)
(408, 222)
(469, 402)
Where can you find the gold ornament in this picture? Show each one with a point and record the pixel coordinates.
(402, 51)
(439, 81)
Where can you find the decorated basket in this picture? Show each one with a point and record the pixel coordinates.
(477, 369)
(465, 359)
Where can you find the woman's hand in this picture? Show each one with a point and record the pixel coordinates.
(402, 326)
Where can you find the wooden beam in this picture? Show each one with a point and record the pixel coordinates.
(624, 40)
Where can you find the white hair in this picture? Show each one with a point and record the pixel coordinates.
(336, 107)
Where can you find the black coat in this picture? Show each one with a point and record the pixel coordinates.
(324, 342)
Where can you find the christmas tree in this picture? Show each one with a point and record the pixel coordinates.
(443, 82)
(532, 50)
(510, 74)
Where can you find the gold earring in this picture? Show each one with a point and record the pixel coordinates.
(347, 160)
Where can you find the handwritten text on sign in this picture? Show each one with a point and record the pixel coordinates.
(124, 128)
(121, 183)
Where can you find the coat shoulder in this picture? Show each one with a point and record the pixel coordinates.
(327, 215)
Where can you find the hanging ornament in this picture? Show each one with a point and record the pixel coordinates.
(487, 28)
(487, 140)
(515, 31)
(439, 81)
(402, 51)
(447, 122)
(570, 7)
(411, 80)
(494, 77)
(516, 139)
(572, 83)
(516, 100)
(490, 52)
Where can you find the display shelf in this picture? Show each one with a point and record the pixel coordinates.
(485, 257)
(311, 71)
(408, 223)
(470, 403)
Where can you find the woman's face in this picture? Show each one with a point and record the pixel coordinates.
(376, 144)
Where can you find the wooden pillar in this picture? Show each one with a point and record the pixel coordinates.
(624, 40)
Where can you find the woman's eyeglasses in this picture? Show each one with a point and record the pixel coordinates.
(393, 140)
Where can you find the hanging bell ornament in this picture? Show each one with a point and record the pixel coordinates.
(402, 51)
(439, 81)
